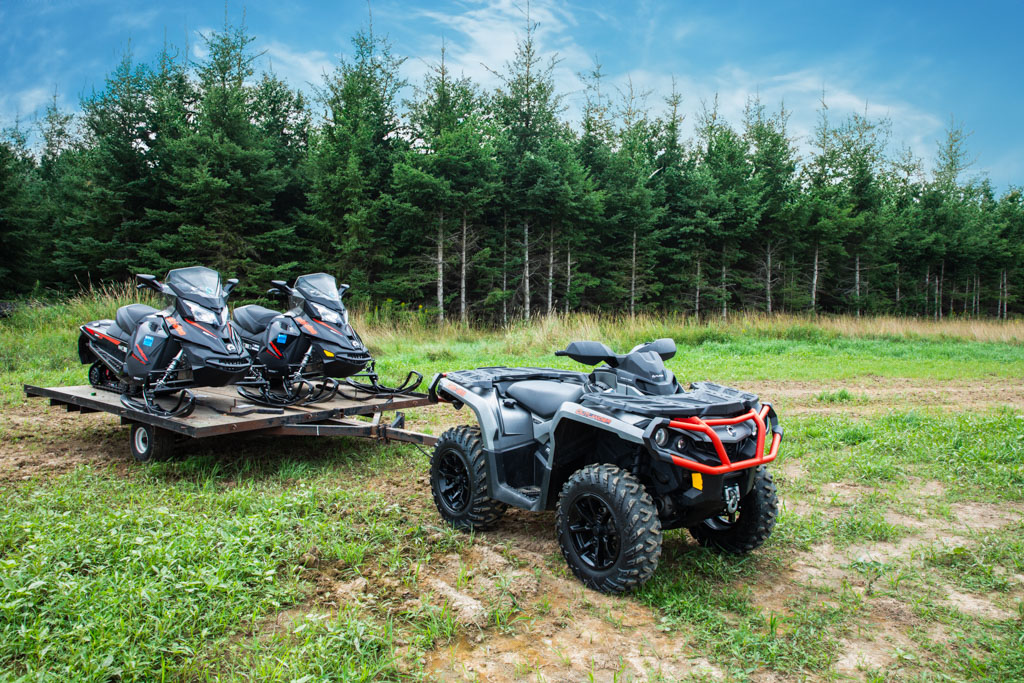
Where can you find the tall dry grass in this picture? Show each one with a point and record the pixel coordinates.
(102, 301)
(620, 330)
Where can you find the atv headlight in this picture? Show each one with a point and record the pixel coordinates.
(205, 315)
(661, 437)
(328, 315)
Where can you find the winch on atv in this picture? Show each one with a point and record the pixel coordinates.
(622, 453)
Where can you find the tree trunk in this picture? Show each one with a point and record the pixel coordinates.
(696, 306)
(725, 300)
(551, 269)
(462, 273)
(814, 282)
(568, 277)
(999, 300)
(768, 280)
(977, 296)
(927, 280)
(632, 281)
(440, 268)
(938, 291)
(504, 272)
(1006, 295)
(897, 288)
(526, 269)
(856, 281)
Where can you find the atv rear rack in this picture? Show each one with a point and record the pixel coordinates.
(705, 427)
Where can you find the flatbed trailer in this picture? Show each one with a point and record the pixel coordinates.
(220, 410)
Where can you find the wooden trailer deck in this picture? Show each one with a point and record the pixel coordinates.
(220, 410)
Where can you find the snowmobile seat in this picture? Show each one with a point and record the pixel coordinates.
(254, 319)
(544, 398)
(128, 317)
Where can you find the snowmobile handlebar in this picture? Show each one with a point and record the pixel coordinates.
(146, 281)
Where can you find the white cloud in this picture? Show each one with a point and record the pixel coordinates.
(800, 91)
(24, 105)
(484, 37)
(299, 69)
(134, 20)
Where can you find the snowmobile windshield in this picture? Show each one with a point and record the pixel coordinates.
(320, 286)
(198, 284)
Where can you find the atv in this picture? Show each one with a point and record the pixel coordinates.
(145, 353)
(298, 355)
(622, 454)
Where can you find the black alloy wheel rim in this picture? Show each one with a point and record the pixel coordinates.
(593, 532)
(453, 482)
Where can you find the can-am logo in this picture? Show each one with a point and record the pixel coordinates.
(593, 416)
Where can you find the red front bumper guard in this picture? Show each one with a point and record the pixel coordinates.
(695, 424)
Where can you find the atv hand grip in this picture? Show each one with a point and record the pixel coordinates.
(561, 353)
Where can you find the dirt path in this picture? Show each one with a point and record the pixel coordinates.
(37, 439)
(881, 394)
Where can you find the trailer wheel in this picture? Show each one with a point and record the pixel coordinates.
(458, 480)
(151, 444)
(608, 529)
(752, 524)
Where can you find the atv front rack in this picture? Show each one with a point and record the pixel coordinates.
(706, 427)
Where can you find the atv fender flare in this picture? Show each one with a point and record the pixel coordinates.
(574, 412)
(483, 407)
(591, 418)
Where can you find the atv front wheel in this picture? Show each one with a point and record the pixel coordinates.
(458, 480)
(750, 526)
(608, 529)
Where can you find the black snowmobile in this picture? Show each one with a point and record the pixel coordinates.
(298, 356)
(145, 353)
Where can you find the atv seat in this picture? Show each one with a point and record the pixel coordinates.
(544, 398)
(254, 319)
(128, 317)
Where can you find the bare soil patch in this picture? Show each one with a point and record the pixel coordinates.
(41, 440)
(876, 394)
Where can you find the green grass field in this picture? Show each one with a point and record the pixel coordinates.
(899, 554)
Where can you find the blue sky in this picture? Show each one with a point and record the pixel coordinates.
(916, 63)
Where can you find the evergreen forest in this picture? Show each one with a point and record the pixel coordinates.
(469, 204)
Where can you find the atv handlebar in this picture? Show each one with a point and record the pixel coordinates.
(695, 424)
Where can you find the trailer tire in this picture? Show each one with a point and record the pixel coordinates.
(151, 444)
(608, 529)
(752, 527)
(458, 480)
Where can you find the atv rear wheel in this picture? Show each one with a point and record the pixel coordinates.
(458, 480)
(752, 524)
(608, 529)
